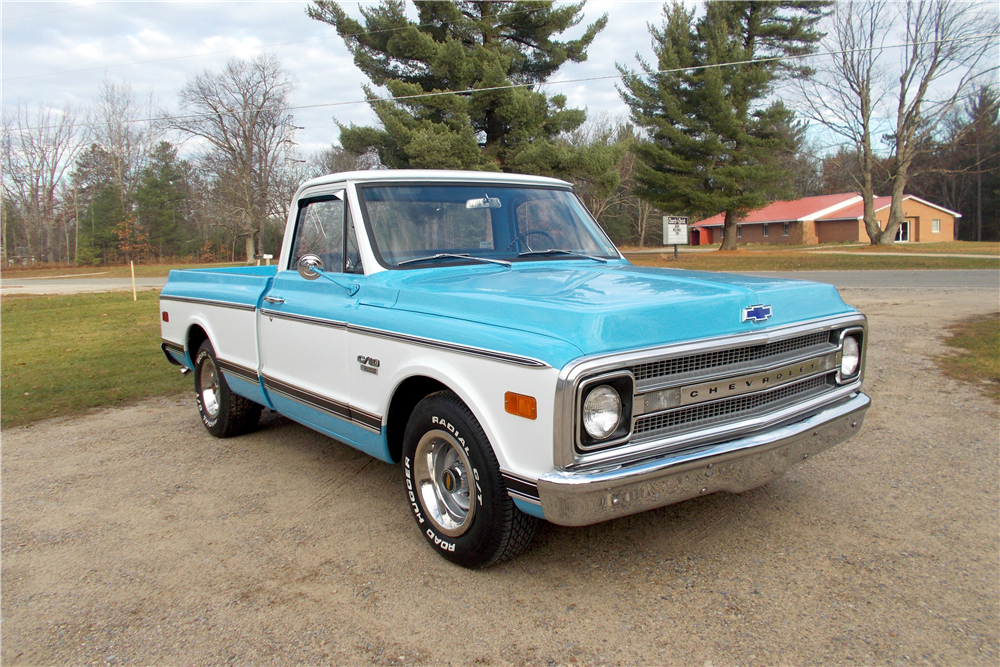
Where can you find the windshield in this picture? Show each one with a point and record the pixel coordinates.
(458, 223)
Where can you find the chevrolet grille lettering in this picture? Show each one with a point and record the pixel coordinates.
(724, 388)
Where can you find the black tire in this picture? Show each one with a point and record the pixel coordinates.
(223, 413)
(454, 487)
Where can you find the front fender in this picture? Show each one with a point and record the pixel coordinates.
(521, 445)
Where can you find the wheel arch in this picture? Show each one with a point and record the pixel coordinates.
(404, 399)
(196, 335)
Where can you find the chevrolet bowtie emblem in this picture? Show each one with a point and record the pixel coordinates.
(756, 313)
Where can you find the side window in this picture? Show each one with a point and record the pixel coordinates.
(353, 262)
(320, 231)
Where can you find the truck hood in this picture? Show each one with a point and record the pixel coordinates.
(604, 308)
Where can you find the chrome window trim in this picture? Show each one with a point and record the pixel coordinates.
(565, 455)
(208, 302)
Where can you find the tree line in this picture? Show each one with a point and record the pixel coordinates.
(710, 126)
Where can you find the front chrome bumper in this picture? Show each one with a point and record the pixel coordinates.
(584, 498)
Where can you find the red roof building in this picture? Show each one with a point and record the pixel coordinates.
(830, 218)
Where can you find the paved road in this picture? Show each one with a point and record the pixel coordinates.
(907, 254)
(76, 285)
(975, 279)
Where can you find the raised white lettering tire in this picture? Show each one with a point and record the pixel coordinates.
(223, 413)
(454, 487)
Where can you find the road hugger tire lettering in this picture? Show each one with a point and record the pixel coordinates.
(454, 487)
(223, 413)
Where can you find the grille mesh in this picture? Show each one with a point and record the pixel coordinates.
(726, 408)
(705, 360)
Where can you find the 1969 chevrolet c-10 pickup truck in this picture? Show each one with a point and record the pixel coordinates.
(481, 330)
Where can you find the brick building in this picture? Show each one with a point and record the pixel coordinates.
(830, 218)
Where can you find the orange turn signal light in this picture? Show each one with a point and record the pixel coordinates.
(520, 405)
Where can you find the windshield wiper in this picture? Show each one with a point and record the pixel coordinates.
(556, 251)
(453, 255)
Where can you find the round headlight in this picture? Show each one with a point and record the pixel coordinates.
(851, 357)
(602, 411)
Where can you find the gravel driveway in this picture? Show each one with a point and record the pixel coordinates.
(130, 536)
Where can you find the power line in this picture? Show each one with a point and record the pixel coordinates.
(469, 91)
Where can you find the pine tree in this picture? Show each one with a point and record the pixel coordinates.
(712, 143)
(461, 46)
(160, 196)
(100, 205)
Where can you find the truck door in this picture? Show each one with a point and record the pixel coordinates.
(302, 326)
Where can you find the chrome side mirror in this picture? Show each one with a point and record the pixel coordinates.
(310, 267)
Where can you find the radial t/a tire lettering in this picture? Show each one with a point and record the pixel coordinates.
(454, 487)
(223, 413)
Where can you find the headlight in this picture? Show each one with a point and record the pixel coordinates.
(602, 412)
(850, 358)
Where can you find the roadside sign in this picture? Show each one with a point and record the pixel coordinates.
(675, 230)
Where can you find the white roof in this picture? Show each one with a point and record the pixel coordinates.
(434, 175)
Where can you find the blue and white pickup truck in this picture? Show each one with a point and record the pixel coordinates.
(481, 330)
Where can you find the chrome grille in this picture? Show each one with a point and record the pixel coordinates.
(707, 360)
(726, 409)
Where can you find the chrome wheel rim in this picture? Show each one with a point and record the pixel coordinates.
(208, 381)
(443, 477)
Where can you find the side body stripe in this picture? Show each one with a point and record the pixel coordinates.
(335, 408)
(209, 302)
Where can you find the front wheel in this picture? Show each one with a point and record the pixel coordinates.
(223, 413)
(454, 486)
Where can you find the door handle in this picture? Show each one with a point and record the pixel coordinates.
(274, 299)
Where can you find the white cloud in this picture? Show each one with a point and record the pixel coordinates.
(48, 42)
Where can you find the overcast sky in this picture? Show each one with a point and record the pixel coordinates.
(57, 52)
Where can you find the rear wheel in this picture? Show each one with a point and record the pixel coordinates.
(223, 413)
(454, 486)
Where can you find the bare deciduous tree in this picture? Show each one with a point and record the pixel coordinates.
(121, 124)
(944, 56)
(38, 149)
(844, 93)
(945, 38)
(336, 159)
(240, 116)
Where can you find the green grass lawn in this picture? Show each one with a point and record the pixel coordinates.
(957, 247)
(64, 354)
(976, 342)
(784, 260)
(117, 271)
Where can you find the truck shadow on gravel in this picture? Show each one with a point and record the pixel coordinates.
(669, 532)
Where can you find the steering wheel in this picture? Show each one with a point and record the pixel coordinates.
(532, 232)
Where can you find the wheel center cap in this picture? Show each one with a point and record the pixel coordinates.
(449, 481)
